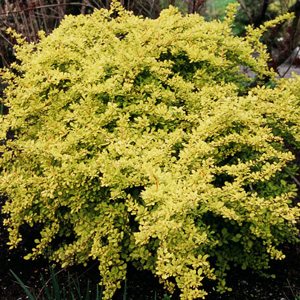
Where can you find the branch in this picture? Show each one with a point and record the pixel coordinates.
(296, 180)
(259, 19)
(243, 5)
(45, 6)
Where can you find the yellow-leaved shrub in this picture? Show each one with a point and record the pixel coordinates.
(140, 141)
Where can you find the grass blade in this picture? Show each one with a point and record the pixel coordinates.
(97, 292)
(31, 297)
(70, 286)
(87, 295)
(45, 287)
(64, 293)
(125, 290)
(101, 291)
(55, 285)
(77, 287)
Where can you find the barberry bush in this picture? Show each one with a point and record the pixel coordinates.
(140, 141)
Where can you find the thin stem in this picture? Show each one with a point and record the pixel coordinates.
(296, 180)
(45, 6)
(243, 5)
(291, 63)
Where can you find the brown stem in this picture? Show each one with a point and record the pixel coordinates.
(44, 6)
(244, 7)
(295, 25)
(261, 16)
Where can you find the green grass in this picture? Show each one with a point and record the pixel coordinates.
(216, 8)
(219, 5)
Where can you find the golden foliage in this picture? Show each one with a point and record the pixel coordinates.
(138, 140)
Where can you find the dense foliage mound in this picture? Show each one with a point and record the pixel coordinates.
(139, 140)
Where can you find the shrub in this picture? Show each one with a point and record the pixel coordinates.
(139, 140)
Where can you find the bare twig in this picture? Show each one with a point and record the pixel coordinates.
(296, 180)
(251, 189)
(8, 41)
(244, 7)
(45, 6)
(44, 15)
(290, 63)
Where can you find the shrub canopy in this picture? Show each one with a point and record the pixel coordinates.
(140, 141)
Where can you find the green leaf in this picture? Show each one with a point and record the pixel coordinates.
(224, 231)
(31, 297)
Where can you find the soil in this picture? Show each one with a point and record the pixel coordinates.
(141, 285)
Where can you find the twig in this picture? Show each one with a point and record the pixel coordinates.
(251, 189)
(296, 180)
(45, 6)
(42, 16)
(246, 10)
(291, 63)
(3, 37)
(291, 289)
